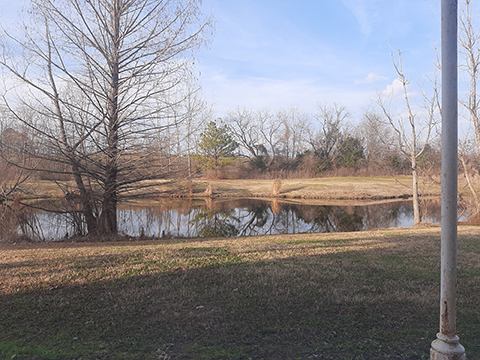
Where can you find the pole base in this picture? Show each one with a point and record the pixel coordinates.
(447, 348)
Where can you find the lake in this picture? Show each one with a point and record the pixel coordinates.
(227, 218)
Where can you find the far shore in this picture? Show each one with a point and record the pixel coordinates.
(326, 190)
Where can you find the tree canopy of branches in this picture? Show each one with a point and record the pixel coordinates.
(469, 37)
(413, 131)
(325, 137)
(104, 83)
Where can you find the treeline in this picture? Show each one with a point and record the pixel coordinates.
(288, 143)
(291, 143)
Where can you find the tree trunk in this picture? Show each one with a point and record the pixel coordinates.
(469, 182)
(87, 207)
(416, 202)
(108, 217)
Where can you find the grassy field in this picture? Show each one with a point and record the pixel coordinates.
(337, 188)
(370, 295)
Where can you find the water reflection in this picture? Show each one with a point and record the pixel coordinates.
(227, 218)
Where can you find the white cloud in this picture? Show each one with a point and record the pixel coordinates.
(371, 78)
(394, 88)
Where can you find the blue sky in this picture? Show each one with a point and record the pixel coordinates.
(276, 53)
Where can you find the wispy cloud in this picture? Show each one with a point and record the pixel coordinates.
(365, 13)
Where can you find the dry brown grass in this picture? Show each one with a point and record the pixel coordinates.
(326, 188)
(339, 188)
(373, 295)
(57, 264)
(39, 265)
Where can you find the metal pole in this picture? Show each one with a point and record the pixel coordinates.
(447, 346)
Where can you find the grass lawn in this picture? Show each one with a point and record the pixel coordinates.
(337, 188)
(371, 295)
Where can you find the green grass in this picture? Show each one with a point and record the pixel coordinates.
(370, 295)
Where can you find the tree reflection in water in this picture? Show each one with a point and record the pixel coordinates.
(248, 217)
(211, 223)
(227, 218)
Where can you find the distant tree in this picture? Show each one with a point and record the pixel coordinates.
(12, 154)
(15, 144)
(244, 124)
(430, 159)
(469, 40)
(378, 142)
(294, 124)
(216, 146)
(271, 134)
(350, 152)
(467, 159)
(331, 121)
(326, 134)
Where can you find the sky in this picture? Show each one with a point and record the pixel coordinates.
(272, 54)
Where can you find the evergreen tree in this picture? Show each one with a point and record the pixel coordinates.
(350, 152)
(216, 146)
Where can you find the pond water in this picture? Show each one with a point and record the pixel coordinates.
(230, 218)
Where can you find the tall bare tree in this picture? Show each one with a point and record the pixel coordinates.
(103, 80)
(469, 41)
(469, 66)
(413, 129)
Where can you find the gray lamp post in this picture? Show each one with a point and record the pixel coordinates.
(447, 346)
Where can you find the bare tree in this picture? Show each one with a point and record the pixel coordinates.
(246, 128)
(469, 41)
(12, 152)
(327, 133)
(370, 130)
(467, 157)
(294, 128)
(197, 115)
(413, 130)
(270, 130)
(378, 141)
(103, 80)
